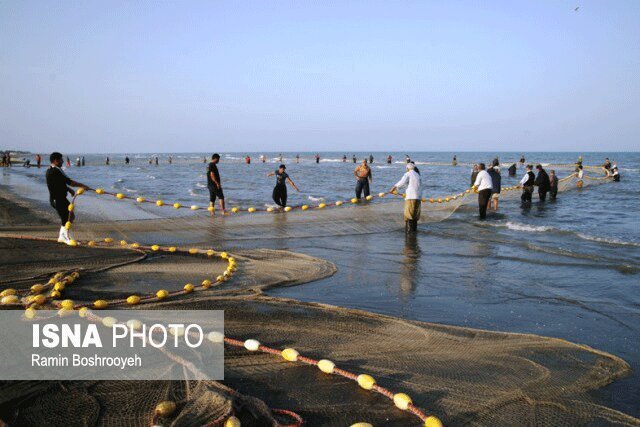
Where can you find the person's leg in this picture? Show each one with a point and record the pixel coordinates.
(358, 188)
(543, 195)
(276, 195)
(366, 188)
(482, 202)
(283, 196)
(417, 210)
(221, 197)
(212, 199)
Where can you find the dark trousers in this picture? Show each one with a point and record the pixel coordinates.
(553, 193)
(362, 185)
(280, 195)
(483, 201)
(543, 195)
(526, 194)
(62, 207)
(215, 192)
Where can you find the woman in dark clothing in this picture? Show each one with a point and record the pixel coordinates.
(280, 190)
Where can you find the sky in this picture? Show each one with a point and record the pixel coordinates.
(169, 76)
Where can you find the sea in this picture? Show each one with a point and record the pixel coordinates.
(567, 269)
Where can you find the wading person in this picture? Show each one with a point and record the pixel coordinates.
(484, 186)
(280, 190)
(542, 181)
(496, 180)
(474, 174)
(363, 178)
(413, 197)
(527, 185)
(58, 183)
(553, 184)
(512, 170)
(214, 184)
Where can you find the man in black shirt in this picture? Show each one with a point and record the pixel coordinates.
(214, 184)
(543, 183)
(58, 183)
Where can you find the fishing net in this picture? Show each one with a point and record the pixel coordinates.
(460, 375)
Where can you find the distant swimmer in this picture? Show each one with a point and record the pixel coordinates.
(344, 158)
(370, 158)
(580, 174)
(58, 184)
(474, 173)
(553, 184)
(413, 197)
(214, 184)
(512, 170)
(363, 178)
(454, 162)
(616, 174)
(127, 160)
(542, 182)
(606, 166)
(527, 182)
(496, 180)
(247, 160)
(280, 190)
(317, 158)
(354, 158)
(522, 160)
(389, 159)
(483, 185)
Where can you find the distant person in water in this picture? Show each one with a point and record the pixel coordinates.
(82, 160)
(454, 162)
(317, 158)
(58, 184)
(407, 159)
(107, 161)
(513, 170)
(263, 158)
(527, 182)
(247, 160)
(607, 164)
(214, 184)
(68, 162)
(483, 185)
(389, 159)
(354, 158)
(580, 174)
(78, 161)
(156, 160)
(615, 174)
(204, 160)
(170, 159)
(363, 178)
(553, 184)
(474, 173)
(126, 160)
(344, 158)
(280, 190)
(297, 158)
(413, 197)
(496, 181)
(280, 157)
(522, 160)
(38, 160)
(542, 182)
(370, 159)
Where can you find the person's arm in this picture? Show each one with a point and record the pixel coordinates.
(370, 175)
(478, 181)
(292, 184)
(401, 183)
(215, 181)
(355, 172)
(524, 179)
(270, 174)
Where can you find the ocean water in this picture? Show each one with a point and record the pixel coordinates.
(567, 269)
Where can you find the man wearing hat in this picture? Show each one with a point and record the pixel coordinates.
(413, 197)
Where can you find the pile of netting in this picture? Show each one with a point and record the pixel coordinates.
(286, 362)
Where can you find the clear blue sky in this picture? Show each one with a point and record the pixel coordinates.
(169, 76)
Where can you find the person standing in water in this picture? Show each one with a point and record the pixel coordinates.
(553, 184)
(317, 158)
(344, 158)
(106, 162)
(297, 158)
(496, 180)
(370, 159)
(522, 160)
(58, 184)
(83, 161)
(454, 162)
(483, 185)
(247, 159)
(126, 160)
(407, 159)
(214, 184)
(474, 173)
(389, 159)
(413, 197)
(542, 181)
(280, 190)
(512, 170)
(527, 182)
(615, 174)
(354, 158)
(363, 178)
(38, 160)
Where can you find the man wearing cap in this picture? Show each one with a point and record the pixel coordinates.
(413, 197)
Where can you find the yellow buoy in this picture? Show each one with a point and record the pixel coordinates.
(162, 294)
(361, 425)
(165, 408)
(155, 248)
(206, 283)
(59, 286)
(305, 207)
(7, 292)
(211, 209)
(234, 210)
(68, 304)
(67, 225)
(91, 243)
(432, 421)
(220, 279)
(10, 299)
(135, 245)
(232, 422)
(326, 366)
(140, 199)
(64, 312)
(123, 243)
(402, 401)
(108, 240)
(193, 251)
(194, 207)
(109, 321)
(211, 252)
(339, 203)
(30, 313)
(70, 207)
(159, 203)
(99, 191)
(39, 299)
(72, 243)
(215, 336)
(83, 312)
(54, 294)
(322, 205)
(120, 196)
(134, 324)
(439, 200)
(251, 209)
(79, 191)
(100, 304)
(224, 255)
(366, 381)
(172, 249)
(369, 197)
(287, 209)
(354, 200)
(447, 199)
(467, 191)
(188, 287)
(431, 201)
(133, 300)
(380, 194)
(290, 354)
(269, 209)
(177, 205)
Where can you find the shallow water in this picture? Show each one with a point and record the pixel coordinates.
(567, 269)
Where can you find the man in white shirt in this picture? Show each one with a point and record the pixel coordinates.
(483, 186)
(413, 197)
(526, 183)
